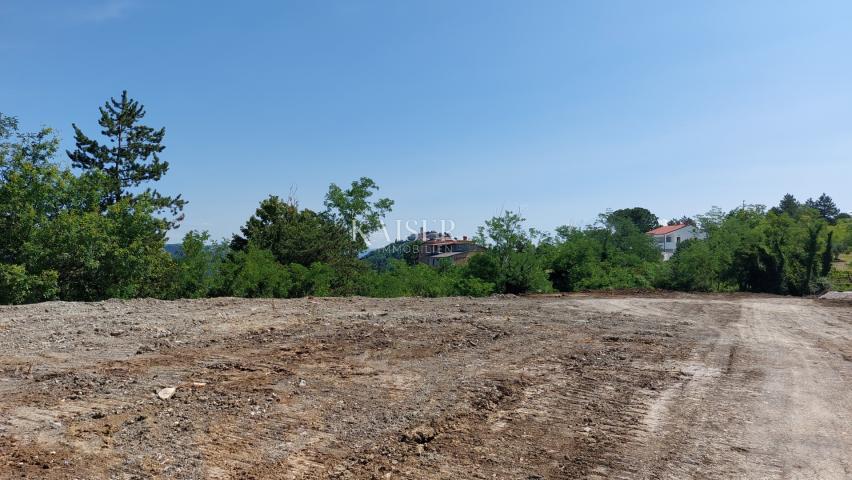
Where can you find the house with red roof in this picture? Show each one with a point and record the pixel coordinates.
(668, 237)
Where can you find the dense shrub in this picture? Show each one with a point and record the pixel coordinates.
(18, 286)
(255, 273)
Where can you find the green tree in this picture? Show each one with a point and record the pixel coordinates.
(825, 206)
(255, 273)
(130, 158)
(510, 261)
(811, 251)
(296, 236)
(621, 236)
(827, 255)
(612, 254)
(711, 220)
(788, 205)
(693, 267)
(353, 210)
(642, 218)
(34, 193)
(19, 286)
(684, 220)
(381, 259)
(115, 254)
(199, 266)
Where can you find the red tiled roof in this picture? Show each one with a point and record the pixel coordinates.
(667, 229)
(446, 241)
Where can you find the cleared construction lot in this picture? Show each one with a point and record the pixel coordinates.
(669, 386)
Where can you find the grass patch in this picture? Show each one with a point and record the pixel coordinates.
(841, 274)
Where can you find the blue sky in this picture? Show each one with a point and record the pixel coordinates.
(458, 109)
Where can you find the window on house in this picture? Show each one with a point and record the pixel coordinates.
(668, 239)
(677, 240)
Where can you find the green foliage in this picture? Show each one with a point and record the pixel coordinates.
(785, 251)
(199, 266)
(67, 242)
(117, 254)
(693, 267)
(712, 220)
(380, 259)
(684, 220)
(825, 206)
(295, 236)
(255, 273)
(624, 242)
(827, 255)
(472, 287)
(788, 205)
(405, 280)
(97, 235)
(842, 240)
(131, 157)
(641, 218)
(352, 209)
(318, 280)
(613, 255)
(510, 262)
(420, 280)
(18, 286)
(840, 280)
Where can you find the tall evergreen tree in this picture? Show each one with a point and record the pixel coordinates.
(825, 206)
(788, 205)
(130, 158)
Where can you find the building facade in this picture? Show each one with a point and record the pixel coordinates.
(667, 238)
(433, 252)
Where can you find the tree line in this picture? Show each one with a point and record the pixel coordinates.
(98, 230)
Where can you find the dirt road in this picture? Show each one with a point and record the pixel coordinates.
(669, 386)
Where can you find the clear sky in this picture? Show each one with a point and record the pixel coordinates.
(458, 109)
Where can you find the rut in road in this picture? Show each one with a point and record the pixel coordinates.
(764, 398)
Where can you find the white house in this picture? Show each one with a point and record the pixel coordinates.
(669, 237)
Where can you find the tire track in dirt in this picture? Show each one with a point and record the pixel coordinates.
(761, 399)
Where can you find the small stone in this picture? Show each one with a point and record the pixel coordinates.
(166, 393)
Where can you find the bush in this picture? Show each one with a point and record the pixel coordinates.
(511, 272)
(693, 268)
(117, 254)
(198, 266)
(472, 287)
(316, 280)
(255, 273)
(618, 256)
(17, 286)
(403, 280)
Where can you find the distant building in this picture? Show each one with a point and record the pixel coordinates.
(433, 252)
(669, 237)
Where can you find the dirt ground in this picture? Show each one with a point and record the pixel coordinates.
(666, 386)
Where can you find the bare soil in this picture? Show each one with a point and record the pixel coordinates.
(641, 386)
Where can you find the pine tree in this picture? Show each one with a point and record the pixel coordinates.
(825, 206)
(788, 205)
(131, 157)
